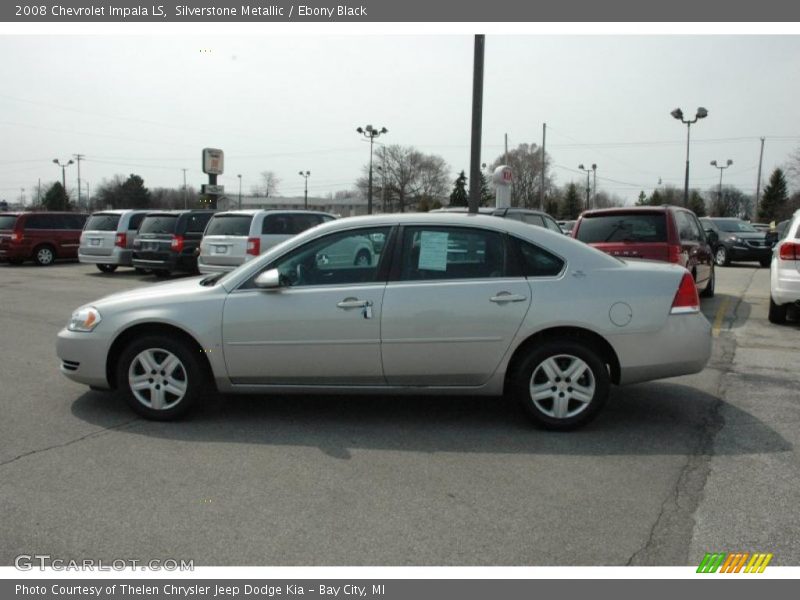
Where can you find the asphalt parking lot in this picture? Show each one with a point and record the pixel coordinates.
(669, 471)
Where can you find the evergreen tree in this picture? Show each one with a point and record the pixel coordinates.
(56, 198)
(487, 195)
(134, 194)
(458, 197)
(572, 202)
(642, 200)
(697, 204)
(773, 205)
(655, 199)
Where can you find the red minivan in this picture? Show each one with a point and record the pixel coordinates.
(40, 236)
(664, 233)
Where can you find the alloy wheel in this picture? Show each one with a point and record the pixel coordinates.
(157, 379)
(562, 386)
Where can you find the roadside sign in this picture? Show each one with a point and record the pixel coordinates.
(213, 190)
(213, 161)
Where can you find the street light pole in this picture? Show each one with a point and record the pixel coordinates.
(307, 174)
(588, 188)
(370, 133)
(721, 169)
(240, 191)
(702, 113)
(63, 171)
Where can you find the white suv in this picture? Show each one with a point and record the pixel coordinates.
(784, 286)
(234, 237)
(107, 238)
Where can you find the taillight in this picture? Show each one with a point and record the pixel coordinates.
(177, 243)
(790, 251)
(674, 255)
(686, 299)
(16, 236)
(121, 240)
(254, 246)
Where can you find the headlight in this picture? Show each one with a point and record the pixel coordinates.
(84, 319)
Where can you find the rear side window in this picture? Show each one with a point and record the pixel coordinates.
(40, 222)
(73, 221)
(648, 227)
(101, 222)
(135, 221)
(158, 224)
(277, 225)
(551, 224)
(230, 225)
(533, 220)
(686, 227)
(7, 221)
(302, 222)
(536, 261)
(196, 223)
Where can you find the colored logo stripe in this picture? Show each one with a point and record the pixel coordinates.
(734, 562)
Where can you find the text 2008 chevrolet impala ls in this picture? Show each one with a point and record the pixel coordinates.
(449, 304)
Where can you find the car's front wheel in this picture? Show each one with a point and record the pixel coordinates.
(708, 291)
(562, 384)
(107, 268)
(721, 257)
(160, 377)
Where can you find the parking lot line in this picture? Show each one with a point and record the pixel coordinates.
(723, 307)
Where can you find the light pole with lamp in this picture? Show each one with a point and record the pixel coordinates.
(702, 113)
(63, 171)
(240, 191)
(307, 174)
(371, 133)
(721, 169)
(588, 187)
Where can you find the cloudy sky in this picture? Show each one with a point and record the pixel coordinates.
(149, 104)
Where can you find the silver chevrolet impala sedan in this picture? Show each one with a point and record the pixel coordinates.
(449, 304)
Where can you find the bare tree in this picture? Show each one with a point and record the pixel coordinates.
(267, 186)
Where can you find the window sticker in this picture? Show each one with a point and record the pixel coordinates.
(433, 251)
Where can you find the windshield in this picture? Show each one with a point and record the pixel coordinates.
(230, 225)
(158, 224)
(7, 221)
(735, 226)
(623, 228)
(102, 222)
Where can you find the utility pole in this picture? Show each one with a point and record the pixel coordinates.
(544, 167)
(306, 175)
(39, 192)
(477, 122)
(758, 179)
(505, 159)
(78, 158)
(594, 187)
(185, 200)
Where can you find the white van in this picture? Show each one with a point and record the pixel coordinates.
(234, 237)
(107, 238)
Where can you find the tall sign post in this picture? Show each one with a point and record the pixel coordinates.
(213, 165)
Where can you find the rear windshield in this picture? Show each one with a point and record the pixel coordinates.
(158, 224)
(623, 228)
(7, 221)
(230, 225)
(734, 226)
(101, 222)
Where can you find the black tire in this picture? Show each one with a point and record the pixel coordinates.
(363, 258)
(44, 255)
(190, 372)
(15, 261)
(594, 373)
(766, 262)
(708, 291)
(161, 273)
(107, 268)
(777, 312)
(722, 258)
(141, 271)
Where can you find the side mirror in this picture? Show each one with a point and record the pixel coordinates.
(712, 236)
(268, 280)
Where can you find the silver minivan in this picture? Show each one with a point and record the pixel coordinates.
(107, 238)
(234, 237)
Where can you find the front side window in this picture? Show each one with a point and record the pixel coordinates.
(685, 230)
(451, 253)
(337, 259)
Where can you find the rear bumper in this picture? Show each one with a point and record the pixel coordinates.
(207, 269)
(681, 347)
(119, 256)
(171, 262)
(784, 285)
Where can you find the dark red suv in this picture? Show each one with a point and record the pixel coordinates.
(664, 233)
(40, 236)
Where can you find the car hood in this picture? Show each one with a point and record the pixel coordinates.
(170, 292)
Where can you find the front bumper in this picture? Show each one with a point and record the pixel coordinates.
(744, 252)
(83, 357)
(681, 347)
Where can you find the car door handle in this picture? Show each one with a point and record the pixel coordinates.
(353, 303)
(506, 297)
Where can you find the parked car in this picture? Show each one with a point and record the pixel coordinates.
(776, 233)
(526, 215)
(167, 241)
(522, 310)
(107, 239)
(41, 237)
(736, 240)
(664, 233)
(761, 226)
(567, 226)
(784, 275)
(236, 236)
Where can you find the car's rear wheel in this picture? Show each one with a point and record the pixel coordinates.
(777, 312)
(708, 291)
(161, 377)
(363, 258)
(721, 257)
(44, 255)
(107, 268)
(562, 384)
